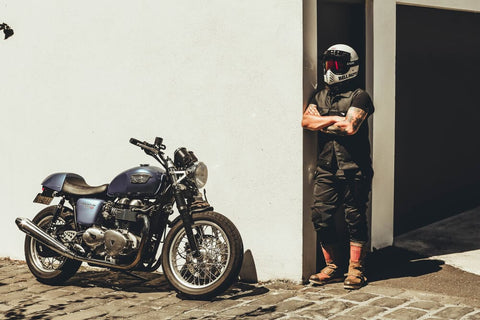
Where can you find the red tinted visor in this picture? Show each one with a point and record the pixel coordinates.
(337, 66)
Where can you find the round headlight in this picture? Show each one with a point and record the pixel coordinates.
(200, 174)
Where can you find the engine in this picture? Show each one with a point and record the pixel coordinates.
(118, 233)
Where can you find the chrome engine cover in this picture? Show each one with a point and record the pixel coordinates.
(117, 243)
(93, 237)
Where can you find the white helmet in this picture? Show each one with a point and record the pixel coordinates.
(340, 63)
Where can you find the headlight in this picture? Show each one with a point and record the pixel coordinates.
(200, 174)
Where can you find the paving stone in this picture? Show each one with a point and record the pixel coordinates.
(4, 307)
(453, 312)
(193, 315)
(247, 310)
(35, 308)
(83, 314)
(344, 317)
(425, 305)
(313, 296)
(11, 288)
(273, 298)
(335, 292)
(292, 305)
(387, 302)
(129, 312)
(219, 305)
(405, 314)
(39, 288)
(157, 314)
(12, 298)
(359, 296)
(282, 285)
(15, 313)
(384, 291)
(366, 311)
(473, 316)
(56, 293)
(326, 309)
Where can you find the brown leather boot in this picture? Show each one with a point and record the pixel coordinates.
(331, 273)
(355, 277)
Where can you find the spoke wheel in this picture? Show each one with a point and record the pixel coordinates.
(217, 264)
(45, 264)
(45, 259)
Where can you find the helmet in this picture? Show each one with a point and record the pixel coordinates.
(340, 63)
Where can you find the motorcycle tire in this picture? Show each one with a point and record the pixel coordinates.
(218, 266)
(46, 265)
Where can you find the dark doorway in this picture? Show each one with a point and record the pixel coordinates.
(437, 146)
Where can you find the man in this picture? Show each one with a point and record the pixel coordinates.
(338, 112)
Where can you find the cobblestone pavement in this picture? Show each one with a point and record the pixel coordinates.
(99, 294)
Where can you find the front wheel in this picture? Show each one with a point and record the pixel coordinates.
(218, 265)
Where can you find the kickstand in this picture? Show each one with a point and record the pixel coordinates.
(134, 275)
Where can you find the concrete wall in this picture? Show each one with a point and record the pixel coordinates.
(222, 78)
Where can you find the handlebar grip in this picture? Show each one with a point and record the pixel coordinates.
(134, 141)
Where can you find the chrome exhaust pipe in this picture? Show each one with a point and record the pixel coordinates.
(27, 226)
(38, 234)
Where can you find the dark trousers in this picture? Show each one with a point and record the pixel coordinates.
(330, 191)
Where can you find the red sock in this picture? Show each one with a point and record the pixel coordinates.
(355, 252)
(327, 256)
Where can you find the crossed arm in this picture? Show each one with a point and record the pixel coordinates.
(343, 126)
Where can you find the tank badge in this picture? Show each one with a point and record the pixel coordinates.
(139, 178)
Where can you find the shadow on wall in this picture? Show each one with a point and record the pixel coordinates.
(248, 272)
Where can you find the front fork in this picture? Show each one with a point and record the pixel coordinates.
(182, 208)
(187, 221)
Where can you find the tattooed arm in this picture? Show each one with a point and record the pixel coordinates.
(351, 124)
(312, 120)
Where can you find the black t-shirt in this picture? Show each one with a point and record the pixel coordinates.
(344, 153)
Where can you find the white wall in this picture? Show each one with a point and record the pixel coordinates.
(381, 24)
(223, 78)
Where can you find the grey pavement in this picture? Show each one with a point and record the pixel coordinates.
(407, 281)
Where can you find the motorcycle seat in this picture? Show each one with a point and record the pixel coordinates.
(77, 186)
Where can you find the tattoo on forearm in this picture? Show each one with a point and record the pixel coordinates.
(354, 118)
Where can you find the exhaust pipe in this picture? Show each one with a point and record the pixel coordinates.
(27, 226)
(38, 234)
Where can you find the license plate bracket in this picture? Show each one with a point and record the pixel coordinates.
(40, 198)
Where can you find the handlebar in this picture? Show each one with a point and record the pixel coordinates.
(145, 145)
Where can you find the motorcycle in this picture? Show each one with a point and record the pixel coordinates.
(122, 226)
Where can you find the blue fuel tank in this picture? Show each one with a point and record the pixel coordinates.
(142, 181)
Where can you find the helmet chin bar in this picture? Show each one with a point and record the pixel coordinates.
(331, 78)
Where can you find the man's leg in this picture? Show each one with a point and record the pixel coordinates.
(325, 204)
(356, 199)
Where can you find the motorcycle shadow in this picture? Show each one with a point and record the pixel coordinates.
(149, 282)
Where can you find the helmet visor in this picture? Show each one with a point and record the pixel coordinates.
(337, 66)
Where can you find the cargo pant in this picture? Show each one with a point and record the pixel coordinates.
(330, 191)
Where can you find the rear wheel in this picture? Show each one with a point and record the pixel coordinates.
(219, 262)
(46, 265)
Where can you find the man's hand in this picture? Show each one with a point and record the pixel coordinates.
(312, 110)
